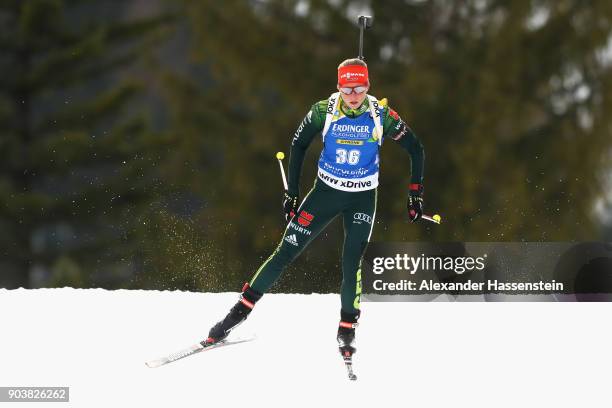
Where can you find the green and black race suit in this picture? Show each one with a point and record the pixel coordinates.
(328, 199)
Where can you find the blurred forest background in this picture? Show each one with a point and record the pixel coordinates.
(137, 137)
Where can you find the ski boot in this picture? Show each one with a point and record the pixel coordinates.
(236, 315)
(346, 340)
(346, 333)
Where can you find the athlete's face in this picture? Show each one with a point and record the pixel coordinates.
(354, 100)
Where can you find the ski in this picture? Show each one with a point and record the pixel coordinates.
(194, 349)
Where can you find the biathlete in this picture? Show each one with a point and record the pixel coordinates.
(353, 126)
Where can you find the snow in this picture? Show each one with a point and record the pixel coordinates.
(431, 354)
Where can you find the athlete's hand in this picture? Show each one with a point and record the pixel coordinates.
(415, 202)
(290, 205)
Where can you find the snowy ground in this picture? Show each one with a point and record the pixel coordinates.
(434, 354)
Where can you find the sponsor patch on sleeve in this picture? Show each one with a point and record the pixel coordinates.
(401, 129)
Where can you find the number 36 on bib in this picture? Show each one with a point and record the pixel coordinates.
(347, 156)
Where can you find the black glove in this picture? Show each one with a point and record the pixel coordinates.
(415, 202)
(290, 205)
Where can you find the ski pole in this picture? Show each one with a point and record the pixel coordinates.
(280, 156)
(365, 22)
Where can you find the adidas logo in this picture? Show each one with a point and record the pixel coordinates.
(291, 239)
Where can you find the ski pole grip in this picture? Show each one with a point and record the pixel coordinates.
(280, 156)
(436, 219)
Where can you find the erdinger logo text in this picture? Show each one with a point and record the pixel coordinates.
(351, 128)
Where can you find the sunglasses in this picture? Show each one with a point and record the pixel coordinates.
(358, 90)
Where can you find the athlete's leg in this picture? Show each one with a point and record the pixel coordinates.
(358, 224)
(319, 207)
(316, 211)
(358, 217)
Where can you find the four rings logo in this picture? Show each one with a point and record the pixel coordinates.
(362, 217)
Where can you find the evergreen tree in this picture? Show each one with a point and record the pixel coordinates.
(511, 101)
(75, 148)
